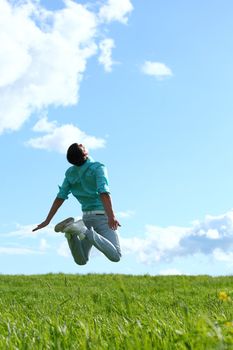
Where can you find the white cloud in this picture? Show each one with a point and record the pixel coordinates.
(157, 69)
(19, 250)
(220, 255)
(43, 125)
(213, 236)
(63, 250)
(158, 245)
(34, 68)
(43, 245)
(58, 138)
(44, 54)
(105, 57)
(25, 231)
(14, 58)
(116, 10)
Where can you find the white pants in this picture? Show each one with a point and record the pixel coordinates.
(99, 235)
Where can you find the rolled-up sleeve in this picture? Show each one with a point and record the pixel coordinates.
(102, 180)
(64, 190)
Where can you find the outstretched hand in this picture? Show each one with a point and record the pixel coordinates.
(43, 224)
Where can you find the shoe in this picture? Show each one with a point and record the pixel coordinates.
(71, 227)
(78, 228)
(61, 226)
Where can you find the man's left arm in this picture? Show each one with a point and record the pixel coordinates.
(104, 192)
(107, 203)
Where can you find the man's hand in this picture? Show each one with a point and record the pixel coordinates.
(113, 223)
(56, 204)
(43, 224)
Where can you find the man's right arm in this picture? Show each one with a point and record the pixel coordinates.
(55, 206)
(64, 191)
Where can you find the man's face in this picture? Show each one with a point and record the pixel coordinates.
(83, 149)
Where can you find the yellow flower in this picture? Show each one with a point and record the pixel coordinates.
(229, 324)
(223, 296)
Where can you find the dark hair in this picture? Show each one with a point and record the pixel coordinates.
(75, 155)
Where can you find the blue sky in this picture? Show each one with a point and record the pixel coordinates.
(146, 86)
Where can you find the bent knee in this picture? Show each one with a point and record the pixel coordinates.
(81, 261)
(116, 258)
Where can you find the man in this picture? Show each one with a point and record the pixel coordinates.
(87, 180)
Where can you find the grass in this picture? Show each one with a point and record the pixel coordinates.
(116, 312)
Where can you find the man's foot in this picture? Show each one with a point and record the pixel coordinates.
(71, 227)
(61, 226)
(79, 228)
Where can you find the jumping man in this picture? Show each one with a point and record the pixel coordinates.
(87, 180)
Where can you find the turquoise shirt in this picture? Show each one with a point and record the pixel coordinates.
(86, 182)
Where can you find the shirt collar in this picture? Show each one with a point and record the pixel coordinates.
(83, 168)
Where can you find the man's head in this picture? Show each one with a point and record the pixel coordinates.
(77, 154)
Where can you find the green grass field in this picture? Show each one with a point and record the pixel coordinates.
(115, 312)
